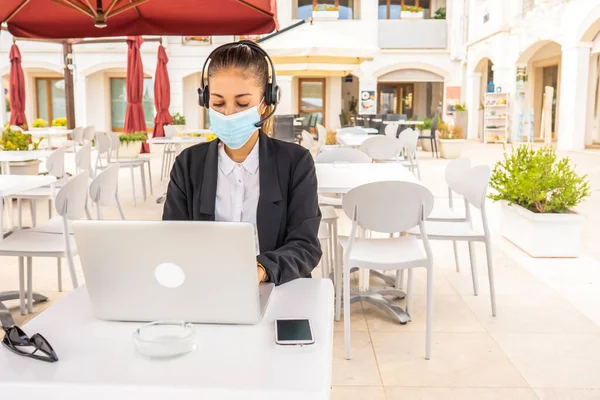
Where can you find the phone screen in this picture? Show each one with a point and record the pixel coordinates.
(293, 330)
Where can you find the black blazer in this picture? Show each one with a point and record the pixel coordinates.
(288, 214)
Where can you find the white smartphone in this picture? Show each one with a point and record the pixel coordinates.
(293, 332)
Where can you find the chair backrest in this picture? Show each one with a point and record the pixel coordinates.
(307, 141)
(456, 174)
(103, 188)
(434, 125)
(322, 135)
(352, 156)
(115, 142)
(88, 133)
(388, 207)
(391, 130)
(55, 164)
(103, 143)
(72, 197)
(381, 147)
(170, 131)
(77, 135)
(83, 158)
(353, 130)
(408, 140)
(476, 185)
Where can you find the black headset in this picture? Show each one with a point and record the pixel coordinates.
(272, 91)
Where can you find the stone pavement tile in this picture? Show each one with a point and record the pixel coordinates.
(362, 369)
(357, 393)
(448, 393)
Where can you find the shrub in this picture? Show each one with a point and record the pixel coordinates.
(39, 123)
(331, 137)
(128, 138)
(59, 121)
(461, 107)
(450, 132)
(412, 9)
(440, 13)
(178, 119)
(15, 140)
(538, 181)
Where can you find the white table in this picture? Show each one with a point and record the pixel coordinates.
(193, 131)
(340, 179)
(19, 156)
(372, 131)
(97, 359)
(413, 123)
(49, 133)
(352, 140)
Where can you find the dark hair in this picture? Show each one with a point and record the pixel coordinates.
(242, 57)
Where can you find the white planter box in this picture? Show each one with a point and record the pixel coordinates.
(179, 128)
(411, 15)
(31, 167)
(450, 148)
(130, 150)
(326, 15)
(542, 235)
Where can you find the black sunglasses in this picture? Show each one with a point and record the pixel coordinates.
(36, 347)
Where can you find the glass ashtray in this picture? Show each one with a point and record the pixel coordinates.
(165, 339)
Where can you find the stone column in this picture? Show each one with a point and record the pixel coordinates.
(573, 97)
(285, 104)
(591, 100)
(473, 102)
(80, 100)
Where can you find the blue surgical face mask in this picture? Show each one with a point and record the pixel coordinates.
(234, 130)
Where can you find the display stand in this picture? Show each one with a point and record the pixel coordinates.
(496, 118)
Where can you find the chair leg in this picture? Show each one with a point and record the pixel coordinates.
(399, 279)
(98, 211)
(429, 312)
(33, 208)
(50, 209)
(59, 273)
(163, 163)
(119, 206)
(150, 178)
(87, 212)
(339, 276)
(346, 294)
(20, 211)
(488, 251)
(432, 147)
(22, 286)
(473, 269)
(325, 259)
(143, 175)
(29, 285)
(133, 186)
(455, 246)
(409, 293)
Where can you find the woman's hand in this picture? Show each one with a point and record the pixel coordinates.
(261, 273)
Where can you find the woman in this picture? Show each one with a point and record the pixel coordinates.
(246, 176)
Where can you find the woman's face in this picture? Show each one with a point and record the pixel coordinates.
(233, 91)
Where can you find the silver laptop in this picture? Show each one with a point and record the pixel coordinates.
(200, 272)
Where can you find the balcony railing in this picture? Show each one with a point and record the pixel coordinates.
(413, 34)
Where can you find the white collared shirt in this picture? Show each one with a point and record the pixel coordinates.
(238, 189)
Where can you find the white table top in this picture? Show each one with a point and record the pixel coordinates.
(176, 140)
(367, 130)
(343, 177)
(193, 131)
(351, 140)
(24, 155)
(49, 132)
(97, 359)
(403, 122)
(11, 184)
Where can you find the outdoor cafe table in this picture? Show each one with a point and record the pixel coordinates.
(371, 131)
(97, 359)
(352, 140)
(49, 133)
(193, 131)
(6, 157)
(340, 178)
(413, 123)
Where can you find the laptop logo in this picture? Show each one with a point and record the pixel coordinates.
(169, 275)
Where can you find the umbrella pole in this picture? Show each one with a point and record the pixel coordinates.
(69, 89)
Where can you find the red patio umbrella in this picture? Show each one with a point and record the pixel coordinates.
(162, 94)
(66, 19)
(17, 88)
(134, 114)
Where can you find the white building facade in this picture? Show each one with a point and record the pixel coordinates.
(557, 43)
(412, 66)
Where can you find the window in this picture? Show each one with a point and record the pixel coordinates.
(396, 98)
(50, 95)
(345, 7)
(312, 100)
(390, 9)
(118, 102)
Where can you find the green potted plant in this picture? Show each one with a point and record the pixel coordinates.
(411, 12)
(326, 12)
(39, 123)
(178, 121)
(131, 144)
(426, 131)
(60, 123)
(15, 140)
(451, 140)
(440, 13)
(538, 194)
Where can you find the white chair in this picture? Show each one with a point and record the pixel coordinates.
(329, 219)
(391, 130)
(83, 159)
(352, 130)
(104, 189)
(169, 151)
(386, 207)
(322, 140)
(113, 155)
(55, 164)
(70, 205)
(76, 140)
(408, 141)
(382, 148)
(474, 191)
(307, 141)
(88, 134)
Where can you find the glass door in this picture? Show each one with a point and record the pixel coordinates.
(407, 93)
(312, 101)
(118, 103)
(51, 101)
(388, 99)
(551, 79)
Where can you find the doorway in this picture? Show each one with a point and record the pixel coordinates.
(396, 98)
(550, 78)
(312, 102)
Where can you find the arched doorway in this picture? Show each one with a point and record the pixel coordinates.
(485, 71)
(543, 62)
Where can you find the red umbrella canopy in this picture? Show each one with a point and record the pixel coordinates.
(68, 19)
(162, 94)
(17, 88)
